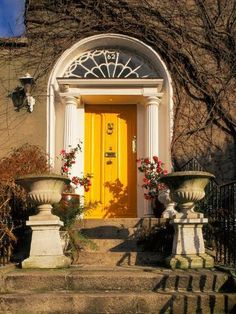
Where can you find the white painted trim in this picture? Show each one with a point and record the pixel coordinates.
(51, 126)
(139, 87)
(131, 91)
(70, 82)
(140, 153)
(142, 87)
(108, 40)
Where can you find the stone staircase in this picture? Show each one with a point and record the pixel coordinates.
(115, 275)
(116, 290)
(115, 242)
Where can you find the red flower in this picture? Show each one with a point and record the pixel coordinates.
(145, 180)
(155, 158)
(68, 160)
(146, 196)
(65, 169)
(152, 170)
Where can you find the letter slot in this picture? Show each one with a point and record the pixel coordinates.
(110, 154)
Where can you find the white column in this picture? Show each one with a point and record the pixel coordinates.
(70, 122)
(74, 133)
(152, 126)
(152, 138)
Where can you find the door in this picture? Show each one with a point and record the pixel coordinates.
(110, 156)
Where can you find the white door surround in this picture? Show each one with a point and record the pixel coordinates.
(68, 96)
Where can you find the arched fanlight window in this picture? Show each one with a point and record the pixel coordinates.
(110, 63)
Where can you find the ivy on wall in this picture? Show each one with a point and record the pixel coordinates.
(196, 40)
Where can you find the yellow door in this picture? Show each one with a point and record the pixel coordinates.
(110, 156)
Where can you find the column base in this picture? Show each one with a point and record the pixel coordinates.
(55, 261)
(190, 261)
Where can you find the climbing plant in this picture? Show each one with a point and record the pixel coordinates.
(195, 39)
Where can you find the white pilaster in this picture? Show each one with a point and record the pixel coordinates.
(152, 138)
(70, 122)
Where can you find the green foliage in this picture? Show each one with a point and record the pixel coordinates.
(78, 242)
(68, 211)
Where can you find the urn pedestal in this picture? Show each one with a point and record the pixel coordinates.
(46, 249)
(188, 250)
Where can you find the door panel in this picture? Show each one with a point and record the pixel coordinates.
(110, 157)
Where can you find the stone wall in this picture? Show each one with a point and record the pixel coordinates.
(44, 44)
(20, 127)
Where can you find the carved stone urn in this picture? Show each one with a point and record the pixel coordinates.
(46, 249)
(186, 188)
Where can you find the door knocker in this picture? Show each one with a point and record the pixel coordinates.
(110, 127)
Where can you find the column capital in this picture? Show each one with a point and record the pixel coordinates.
(153, 100)
(72, 100)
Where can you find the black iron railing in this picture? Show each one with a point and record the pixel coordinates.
(191, 165)
(219, 206)
(225, 225)
(6, 240)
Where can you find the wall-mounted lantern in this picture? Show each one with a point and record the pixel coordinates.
(21, 95)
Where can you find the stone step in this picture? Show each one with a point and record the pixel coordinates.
(133, 279)
(109, 232)
(113, 245)
(119, 258)
(121, 223)
(117, 228)
(117, 302)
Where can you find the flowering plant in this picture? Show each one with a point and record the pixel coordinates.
(152, 170)
(68, 159)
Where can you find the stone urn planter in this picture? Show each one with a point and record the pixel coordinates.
(68, 197)
(46, 249)
(186, 188)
